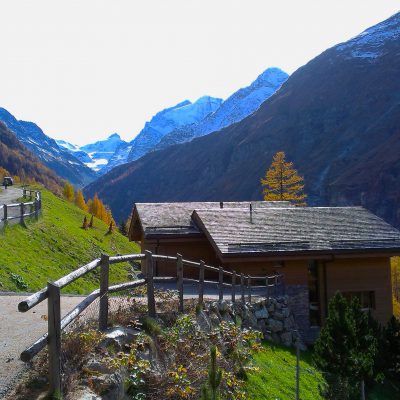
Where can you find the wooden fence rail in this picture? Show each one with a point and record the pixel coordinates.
(56, 324)
(27, 209)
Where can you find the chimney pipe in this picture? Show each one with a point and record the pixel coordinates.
(251, 213)
(221, 204)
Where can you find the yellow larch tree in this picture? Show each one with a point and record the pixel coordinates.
(68, 191)
(80, 200)
(282, 182)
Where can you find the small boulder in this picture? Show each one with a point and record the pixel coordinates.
(262, 313)
(118, 337)
(274, 325)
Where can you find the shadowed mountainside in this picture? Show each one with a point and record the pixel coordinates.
(337, 118)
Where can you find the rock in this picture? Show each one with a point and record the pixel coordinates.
(278, 306)
(261, 324)
(274, 325)
(271, 308)
(110, 386)
(278, 316)
(288, 324)
(224, 307)
(83, 394)
(214, 319)
(203, 321)
(118, 337)
(285, 312)
(286, 339)
(261, 313)
(276, 338)
(94, 365)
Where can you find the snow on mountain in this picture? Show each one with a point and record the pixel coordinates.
(238, 106)
(95, 155)
(62, 162)
(119, 157)
(370, 43)
(164, 122)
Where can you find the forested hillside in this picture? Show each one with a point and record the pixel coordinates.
(18, 160)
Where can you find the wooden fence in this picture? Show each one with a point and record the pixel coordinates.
(24, 210)
(52, 293)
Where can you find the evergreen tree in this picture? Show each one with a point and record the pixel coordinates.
(282, 183)
(210, 390)
(91, 221)
(68, 191)
(123, 228)
(391, 345)
(84, 224)
(346, 348)
(80, 201)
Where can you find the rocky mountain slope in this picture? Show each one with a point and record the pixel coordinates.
(47, 150)
(238, 106)
(337, 119)
(18, 160)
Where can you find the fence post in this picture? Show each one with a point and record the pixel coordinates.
(24, 193)
(249, 288)
(54, 338)
(267, 287)
(21, 207)
(242, 287)
(201, 282)
(36, 205)
(151, 304)
(104, 279)
(179, 272)
(297, 370)
(233, 286)
(5, 213)
(221, 285)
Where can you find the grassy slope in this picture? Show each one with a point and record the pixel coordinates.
(55, 245)
(395, 266)
(276, 377)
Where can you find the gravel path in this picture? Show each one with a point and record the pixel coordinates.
(20, 330)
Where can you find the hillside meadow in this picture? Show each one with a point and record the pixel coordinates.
(55, 245)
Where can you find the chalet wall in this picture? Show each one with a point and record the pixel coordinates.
(363, 274)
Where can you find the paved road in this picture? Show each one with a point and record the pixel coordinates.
(9, 195)
(20, 330)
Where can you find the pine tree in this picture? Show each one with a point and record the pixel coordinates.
(84, 224)
(392, 348)
(80, 201)
(123, 228)
(68, 191)
(282, 183)
(346, 347)
(91, 221)
(210, 390)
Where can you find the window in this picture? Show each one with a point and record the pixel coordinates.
(366, 298)
(313, 294)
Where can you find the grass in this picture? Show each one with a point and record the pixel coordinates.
(275, 378)
(395, 262)
(55, 245)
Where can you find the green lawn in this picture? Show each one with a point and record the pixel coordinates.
(276, 375)
(55, 245)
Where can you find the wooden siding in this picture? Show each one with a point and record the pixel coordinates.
(363, 274)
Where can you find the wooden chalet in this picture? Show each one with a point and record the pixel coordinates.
(319, 250)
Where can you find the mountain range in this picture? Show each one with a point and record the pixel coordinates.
(62, 162)
(337, 119)
(180, 123)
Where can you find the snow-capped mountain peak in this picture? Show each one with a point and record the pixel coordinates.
(369, 44)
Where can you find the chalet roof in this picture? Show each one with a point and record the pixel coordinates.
(161, 219)
(297, 229)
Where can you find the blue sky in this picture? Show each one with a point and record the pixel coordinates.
(85, 69)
